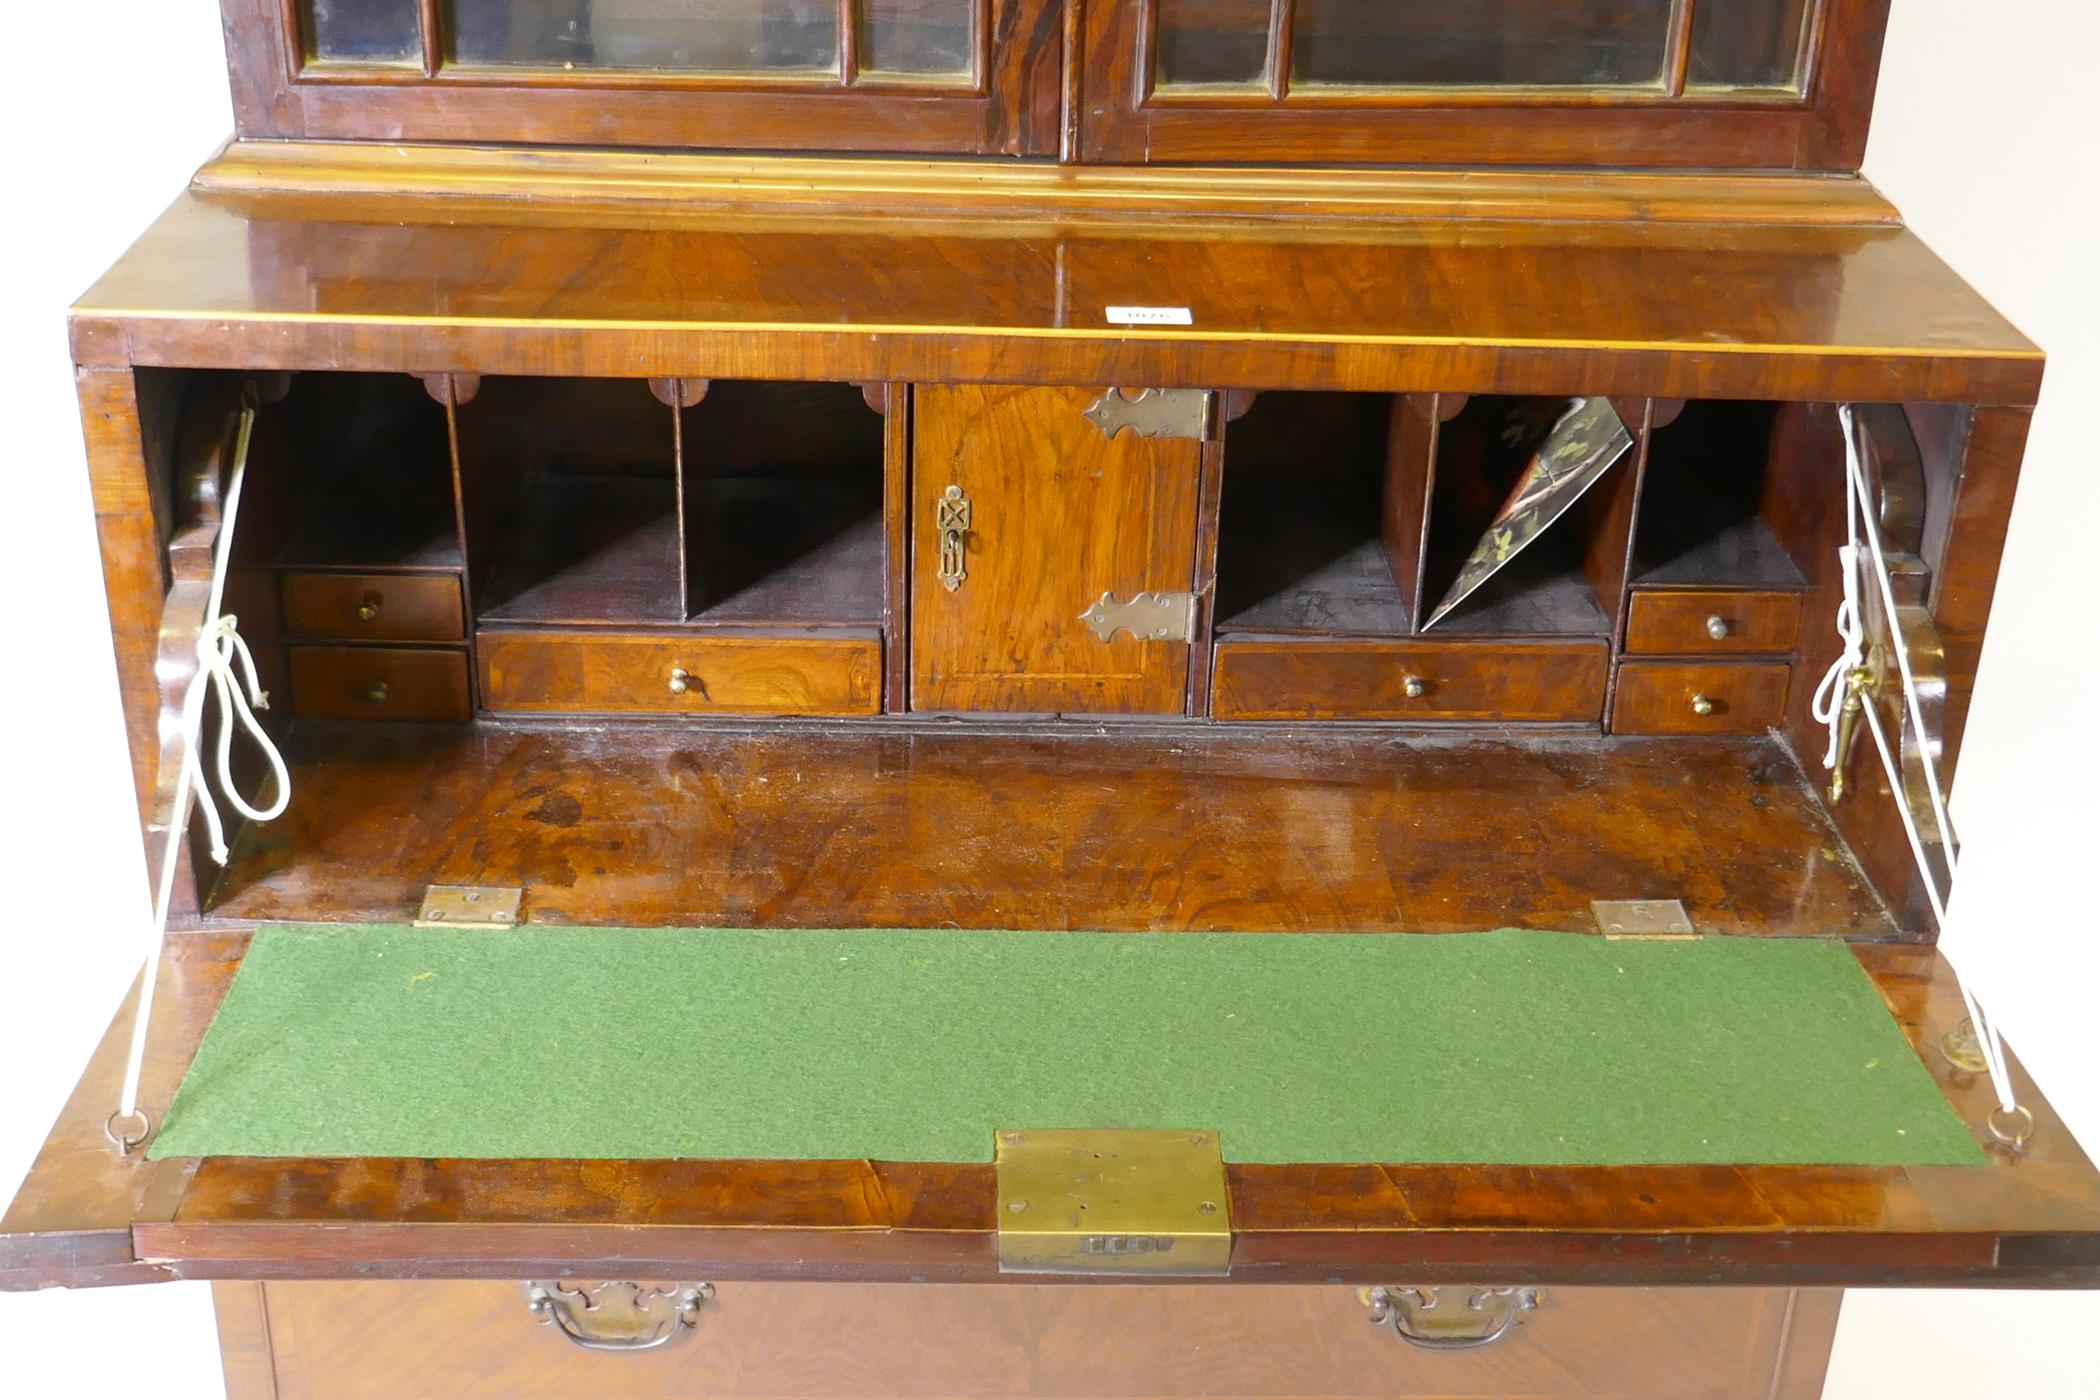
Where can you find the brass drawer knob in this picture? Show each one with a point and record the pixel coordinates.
(1702, 706)
(1414, 687)
(681, 680)
(1449, 1319)
(368, 610)
(376, 693)
(1717, 627)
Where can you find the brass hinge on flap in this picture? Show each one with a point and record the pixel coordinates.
(470, 906)
(1113, 1201)
(1149, 617)
(1156, 413)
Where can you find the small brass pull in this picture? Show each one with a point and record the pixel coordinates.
(376, 694)
(951, 522)
(368, 610)
(681, 680)
(1702, 706)
(1414, 687)
(1717, 627)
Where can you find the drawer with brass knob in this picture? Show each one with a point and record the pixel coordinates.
(373, 607)
(384, 683)
(697, 672)
(1699, 697)
(1712, 622)
(1409, 678)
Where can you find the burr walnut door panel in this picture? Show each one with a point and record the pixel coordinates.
(1057, 514)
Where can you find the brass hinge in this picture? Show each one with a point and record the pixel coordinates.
(1113, 1201)
(1149, 617)
(1157, 413)
(1643, 918)
(470, 906)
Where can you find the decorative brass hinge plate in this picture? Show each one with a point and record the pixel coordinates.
(1149, 617)
(1156, 413)
(1642, 918)
(470, 906)
(1113, 1201)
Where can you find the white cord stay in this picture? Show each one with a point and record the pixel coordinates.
(225, 671)
(2011, 1123)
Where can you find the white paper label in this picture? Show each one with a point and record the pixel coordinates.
(1150, 316)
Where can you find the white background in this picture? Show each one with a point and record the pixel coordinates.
(1984, 136)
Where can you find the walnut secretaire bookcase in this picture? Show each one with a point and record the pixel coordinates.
(1001, 464)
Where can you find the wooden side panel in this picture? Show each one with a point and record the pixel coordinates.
(131, 525)
(367, 1341)
(837, 673)
(245, 1357)
(1370, 678)
(1060, 514)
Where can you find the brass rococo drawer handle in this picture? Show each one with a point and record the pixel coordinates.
(618, 1316)
(1423, 1317)
(951, 523)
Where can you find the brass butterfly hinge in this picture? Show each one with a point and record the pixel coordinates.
(1156, 413)
(1149, 617)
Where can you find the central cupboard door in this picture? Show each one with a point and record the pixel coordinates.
(1058, 514)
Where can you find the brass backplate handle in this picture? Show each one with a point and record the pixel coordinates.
(1435, 1319)
(618, 1316)
(951, 523)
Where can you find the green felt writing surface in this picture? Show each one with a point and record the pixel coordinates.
(1510, 1047)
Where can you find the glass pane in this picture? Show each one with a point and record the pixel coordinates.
(1481, 43)
(1748, 43)
(723, 36)
(923, 38)
(364, 31)
(1208, 43)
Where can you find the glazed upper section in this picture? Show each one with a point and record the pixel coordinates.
(1738, 84)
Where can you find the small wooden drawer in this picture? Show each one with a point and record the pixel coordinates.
(425, 683)
(1699, 697)
(477, 1341)
(1712, 622)
(715, 673)
(373, 608)
(1377, 678)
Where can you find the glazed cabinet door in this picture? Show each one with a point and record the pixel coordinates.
(976, 77)
(1025, 516)
(1722, 83)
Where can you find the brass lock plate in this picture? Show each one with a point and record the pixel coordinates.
(1129, 1201)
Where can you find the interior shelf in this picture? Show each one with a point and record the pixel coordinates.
(587, 549)
(1322, 529)
(362, 465)
(1706, 513)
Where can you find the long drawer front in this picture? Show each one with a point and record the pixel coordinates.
(721, 673)
(383, 1341)
(1377, 678)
